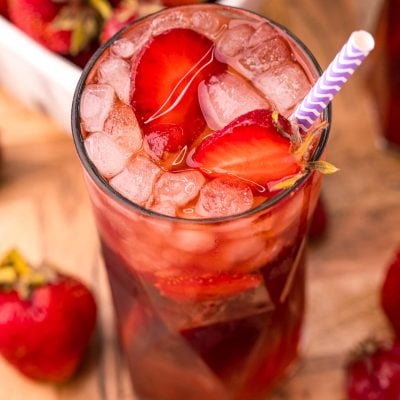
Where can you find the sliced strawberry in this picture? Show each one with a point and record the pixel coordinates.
(207, 287)
(251, 148)
(164, 85)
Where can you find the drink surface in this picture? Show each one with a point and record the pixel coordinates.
(157, 95)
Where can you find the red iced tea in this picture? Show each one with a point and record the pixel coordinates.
(385, 74)
(206, 266)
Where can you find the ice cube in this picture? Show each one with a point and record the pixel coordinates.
(284, 85)
(116, 72)
(271, 250)
(251, 303)
(235, 252)
(266, 54)
(179, 187)
(206, 23)
(123, 48)
(139, 36)
(263, 32)
(234, 40)
(171, 20)
(288, 216)
(224, 196)
(178, 259)
(193, 241)
(137, 180)
(96, 103)
(165, 208)
(225, 97)
(133, 40)
(123, 127)
(108, 157)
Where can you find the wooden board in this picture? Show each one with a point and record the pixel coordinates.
(44, 210)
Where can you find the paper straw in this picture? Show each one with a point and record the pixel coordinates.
(349, 58)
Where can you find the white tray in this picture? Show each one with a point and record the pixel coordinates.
(42, 79)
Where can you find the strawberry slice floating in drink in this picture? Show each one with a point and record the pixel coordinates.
(260, 147)
(164, 84)
(202, 288)
(251, 148)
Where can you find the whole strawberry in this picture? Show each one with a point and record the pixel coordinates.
(390, 293)
(63, 26)
(375, 372)
(47, 320)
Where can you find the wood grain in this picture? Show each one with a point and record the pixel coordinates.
(44, 210)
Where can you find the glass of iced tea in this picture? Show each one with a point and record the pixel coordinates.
(179, 122)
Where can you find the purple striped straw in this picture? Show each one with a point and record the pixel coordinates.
(331, 81)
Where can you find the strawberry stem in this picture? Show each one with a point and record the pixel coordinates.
(285, 183)
(324, 167)
(281, 130)
(8, 276)
(17, 274)
(304, 147)
(366, 349)
(15, 260)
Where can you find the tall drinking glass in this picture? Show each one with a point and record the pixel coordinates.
(207, 308)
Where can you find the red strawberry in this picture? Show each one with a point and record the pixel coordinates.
(390, 293)
(65, 27)
(251, 148)
(393, 391)
(164, 85)
(207, 287)
(319, 221)
(47, 320)
(3, 8)
(126, 12)
(375, 373)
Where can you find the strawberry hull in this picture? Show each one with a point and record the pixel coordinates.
(209, 290)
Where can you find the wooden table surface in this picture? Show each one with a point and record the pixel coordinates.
(44, 210)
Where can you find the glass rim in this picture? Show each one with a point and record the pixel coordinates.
(102, 183)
